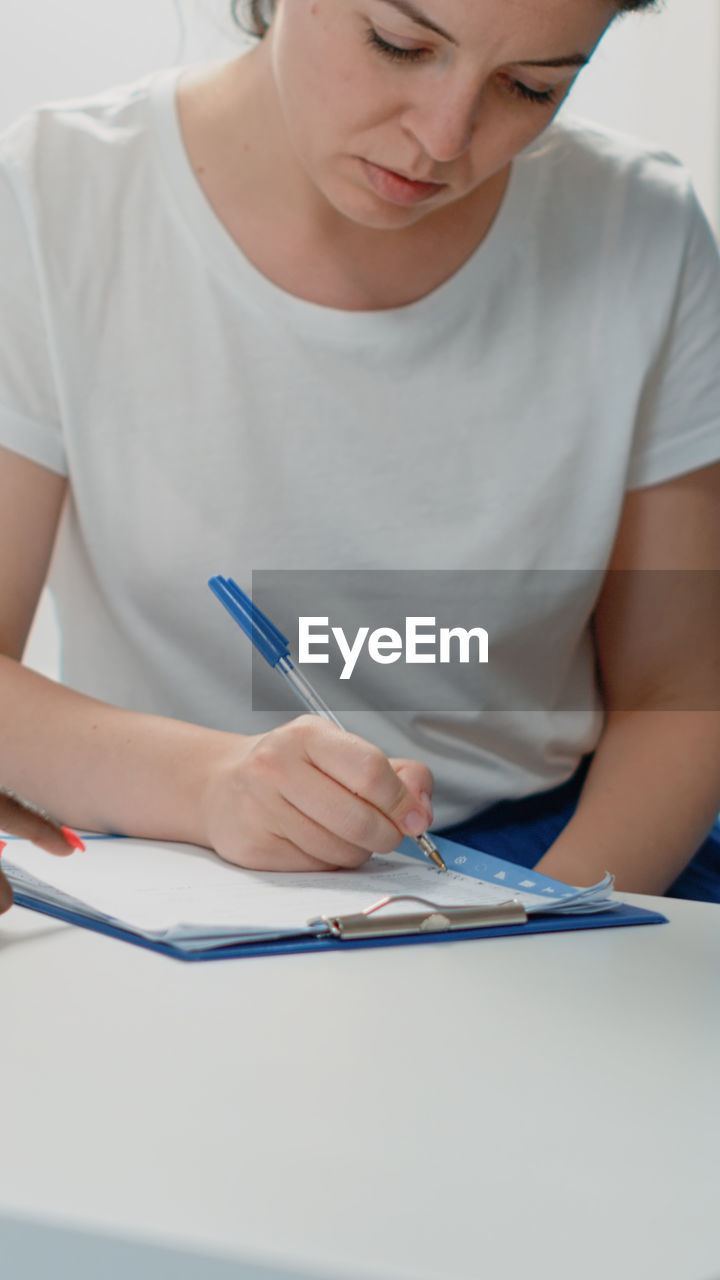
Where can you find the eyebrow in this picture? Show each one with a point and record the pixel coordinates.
(421, 20)
(416, 15)
(565, 60)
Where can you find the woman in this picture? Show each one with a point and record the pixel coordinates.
(256, 314)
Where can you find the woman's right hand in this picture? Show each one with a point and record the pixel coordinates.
(309, 796)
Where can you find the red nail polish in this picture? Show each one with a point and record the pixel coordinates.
(73, 838)
(2, 846)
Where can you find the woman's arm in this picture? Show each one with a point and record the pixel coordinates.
(653, 789)
(57, 745)
(304, 796)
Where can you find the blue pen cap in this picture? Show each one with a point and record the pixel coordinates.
(265, 636)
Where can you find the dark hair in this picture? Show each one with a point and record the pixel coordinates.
(255, 16)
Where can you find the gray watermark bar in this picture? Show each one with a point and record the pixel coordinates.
(445, 642)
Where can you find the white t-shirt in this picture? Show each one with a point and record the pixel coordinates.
(212, 423)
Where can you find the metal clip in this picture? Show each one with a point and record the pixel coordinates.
(437, 919)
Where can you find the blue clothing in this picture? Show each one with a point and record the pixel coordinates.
(521, 831)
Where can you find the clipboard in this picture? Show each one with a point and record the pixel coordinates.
(620, 915)
(393, 920)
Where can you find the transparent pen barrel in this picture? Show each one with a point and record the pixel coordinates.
(305, 691)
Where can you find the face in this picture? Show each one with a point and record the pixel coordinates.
(394, 109)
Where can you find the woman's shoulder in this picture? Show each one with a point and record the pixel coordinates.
(68, 169)
(591, 143)
(585, 156)
(604, 186)
(58, 140)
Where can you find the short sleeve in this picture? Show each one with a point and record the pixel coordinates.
(30, 419)
(678, 424)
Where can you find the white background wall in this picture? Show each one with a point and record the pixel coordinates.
(656, 75)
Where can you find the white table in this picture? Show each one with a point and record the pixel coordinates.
(545, 1106)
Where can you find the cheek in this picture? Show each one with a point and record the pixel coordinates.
(324, 76)
(309, 68)
(297, 54)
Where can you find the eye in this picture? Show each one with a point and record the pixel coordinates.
(541, 96)
(393, 51)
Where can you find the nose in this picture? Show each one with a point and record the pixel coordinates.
(444, 122)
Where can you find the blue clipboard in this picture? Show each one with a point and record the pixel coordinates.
(620, 915)
(470, 862)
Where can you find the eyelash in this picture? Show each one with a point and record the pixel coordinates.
(393, 51)
(397, 54)
(543, 96)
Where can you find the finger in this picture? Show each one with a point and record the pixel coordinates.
(6, 894)
(419, 781)
(340, 824)
(22, 819)
(362, 769)
(315, 839)
(272, 853)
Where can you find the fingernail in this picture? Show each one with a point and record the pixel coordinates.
(72, 838)
(2, 846)
(414, 823)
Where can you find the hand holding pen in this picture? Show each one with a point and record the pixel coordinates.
(349, 799)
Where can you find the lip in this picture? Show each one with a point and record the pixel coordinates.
(398, 189)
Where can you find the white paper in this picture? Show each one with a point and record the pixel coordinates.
(155, 887)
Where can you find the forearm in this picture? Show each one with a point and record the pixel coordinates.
(101, 768)
(650, 798)
(306, 796)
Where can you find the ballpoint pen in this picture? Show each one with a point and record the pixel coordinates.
(275, 649)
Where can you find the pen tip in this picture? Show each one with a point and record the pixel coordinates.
(429, 849)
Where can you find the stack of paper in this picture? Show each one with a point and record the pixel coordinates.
(188, 897)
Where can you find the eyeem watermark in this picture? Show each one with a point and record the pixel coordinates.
(416, 642)
(423, 642)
